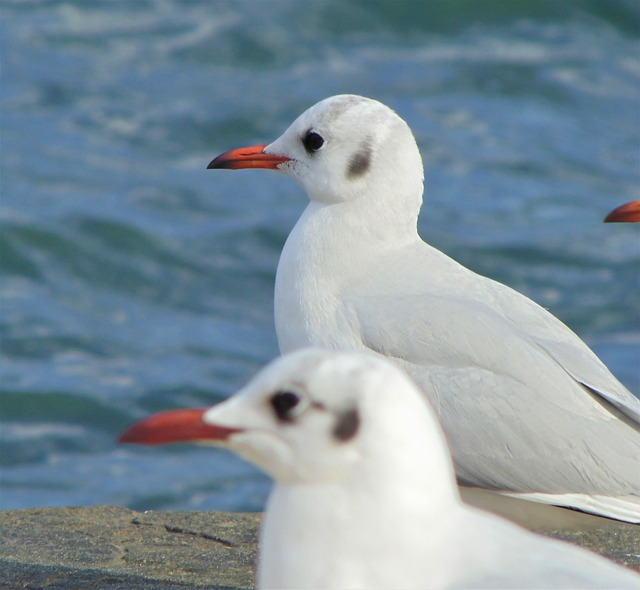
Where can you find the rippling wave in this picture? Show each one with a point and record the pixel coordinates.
(133, 280)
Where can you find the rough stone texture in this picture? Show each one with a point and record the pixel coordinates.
(109, 548)
(105, 547)
(618, 541)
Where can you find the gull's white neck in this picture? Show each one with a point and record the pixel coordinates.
(331, 245)
(359, 532)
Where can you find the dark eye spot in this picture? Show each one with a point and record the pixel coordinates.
(282, 403)
(312, 141)
(360, 163)
(347, 425)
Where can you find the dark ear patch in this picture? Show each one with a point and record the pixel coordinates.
(347, 425)
(360, 163)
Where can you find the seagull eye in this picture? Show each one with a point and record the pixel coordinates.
(312, 141)
(283, 403)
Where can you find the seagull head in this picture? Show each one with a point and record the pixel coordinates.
(316, 416)
(340, 149)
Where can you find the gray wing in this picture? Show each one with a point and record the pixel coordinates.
(514, 417)
(589, 371)
(562, 344)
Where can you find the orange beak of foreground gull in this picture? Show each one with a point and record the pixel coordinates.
(247, 157)
(175, 426)
(629, 212)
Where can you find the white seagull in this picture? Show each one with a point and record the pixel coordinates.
(527, 407)
(365, 494)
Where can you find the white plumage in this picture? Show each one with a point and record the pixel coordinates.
(528, 409)
(365, 494)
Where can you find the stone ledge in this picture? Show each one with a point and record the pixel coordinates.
(105, 547)
(111, 548)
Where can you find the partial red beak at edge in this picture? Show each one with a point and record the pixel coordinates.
(175, 426)
(247, 157)
(629, 213)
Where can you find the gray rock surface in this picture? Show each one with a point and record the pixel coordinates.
(109, 548)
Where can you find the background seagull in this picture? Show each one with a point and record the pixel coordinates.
(527, 407)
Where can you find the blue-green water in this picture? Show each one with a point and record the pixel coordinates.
(134, 280)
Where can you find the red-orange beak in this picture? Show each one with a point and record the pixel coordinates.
(629, 212)
(247, 157)
(175, 426)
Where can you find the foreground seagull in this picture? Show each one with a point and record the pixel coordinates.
(627, 213)
(365, 493)
(527, 407)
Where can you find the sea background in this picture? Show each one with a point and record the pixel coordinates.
(134, 280)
